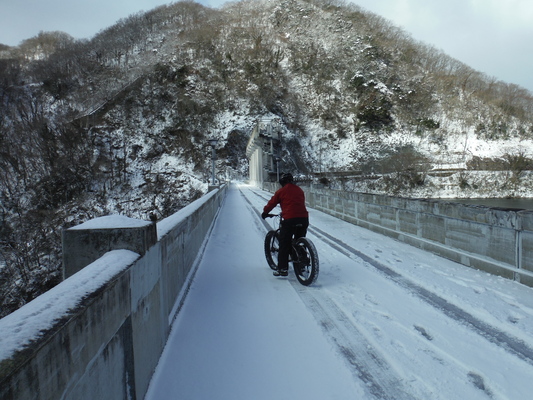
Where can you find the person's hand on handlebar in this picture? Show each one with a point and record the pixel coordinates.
(267, 215)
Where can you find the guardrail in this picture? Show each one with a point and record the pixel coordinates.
(99, 333)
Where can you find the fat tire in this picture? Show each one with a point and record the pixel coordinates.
(306, 274)
(272, 249)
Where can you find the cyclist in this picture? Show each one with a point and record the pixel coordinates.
(291, 199)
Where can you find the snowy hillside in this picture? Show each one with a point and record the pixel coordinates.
(119, 124)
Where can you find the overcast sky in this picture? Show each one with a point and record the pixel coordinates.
(491, 36)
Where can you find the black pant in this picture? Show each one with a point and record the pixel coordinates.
(290, 228)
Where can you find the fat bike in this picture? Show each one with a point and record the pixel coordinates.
(302, 255)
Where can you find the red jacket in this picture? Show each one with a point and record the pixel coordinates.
(291, 198)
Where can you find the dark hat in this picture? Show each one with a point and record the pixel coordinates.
(286, 178)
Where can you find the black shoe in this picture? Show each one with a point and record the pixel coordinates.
(281, 272)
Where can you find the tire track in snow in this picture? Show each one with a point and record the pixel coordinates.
(511, 344)
(365, 362)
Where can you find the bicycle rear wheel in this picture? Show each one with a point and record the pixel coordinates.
(307, 266)
(272, 249)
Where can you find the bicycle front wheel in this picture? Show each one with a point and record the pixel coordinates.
(307, 266)
(272, 249)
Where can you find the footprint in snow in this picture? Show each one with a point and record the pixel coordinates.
(423, 332)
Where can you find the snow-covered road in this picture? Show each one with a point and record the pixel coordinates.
(384, 321)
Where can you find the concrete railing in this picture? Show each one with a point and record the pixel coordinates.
(499, 241)
(99, 334)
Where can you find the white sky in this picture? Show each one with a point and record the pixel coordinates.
(492, 36)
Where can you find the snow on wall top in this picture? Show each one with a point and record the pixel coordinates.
(111, 222)
(26, 325)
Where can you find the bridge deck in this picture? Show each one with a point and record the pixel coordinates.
(384, 321)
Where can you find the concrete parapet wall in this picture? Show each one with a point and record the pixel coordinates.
(99, 334)
(494, 240)
(499, 241)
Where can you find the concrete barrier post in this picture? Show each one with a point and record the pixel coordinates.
(87, 242)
